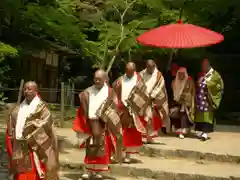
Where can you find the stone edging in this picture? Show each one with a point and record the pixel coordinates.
(148, 151)
(127, 171)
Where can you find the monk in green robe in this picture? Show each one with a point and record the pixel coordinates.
(208, 97)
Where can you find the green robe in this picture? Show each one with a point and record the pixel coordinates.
(215, 88)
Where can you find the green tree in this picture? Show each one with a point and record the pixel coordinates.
(121, 22)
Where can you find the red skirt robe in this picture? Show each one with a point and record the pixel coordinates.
(156, 124)
(30, 175)
(96, 163)
(132, 138)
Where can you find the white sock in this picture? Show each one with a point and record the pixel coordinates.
(184, 130)
(179, 130)
(205, 135)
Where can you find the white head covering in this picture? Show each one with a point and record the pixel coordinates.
(178, 85)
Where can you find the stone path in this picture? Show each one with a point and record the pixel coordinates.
(159, 168)
(227, 135)
(75, 175)
(224, 145)
(169, 159)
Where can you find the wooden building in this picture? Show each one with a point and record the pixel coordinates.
(42, 67)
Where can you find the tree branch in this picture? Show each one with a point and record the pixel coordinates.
(128, 5)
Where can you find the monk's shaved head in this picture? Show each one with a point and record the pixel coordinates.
(131, 65)
(150, 66)
(100, 73)
(100, 77)
(32, 84)
(130, 69)
(30, 90)
(151, 62)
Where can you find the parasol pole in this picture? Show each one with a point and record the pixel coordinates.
(170, 60)
(172, 50)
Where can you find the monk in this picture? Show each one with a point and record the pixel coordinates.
(182, 113)
(99, 137)
(169, 77)
(209, 95)
(156, 116)
(30, 140)
(131, 122)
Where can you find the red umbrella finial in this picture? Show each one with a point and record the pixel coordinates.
(180, 21)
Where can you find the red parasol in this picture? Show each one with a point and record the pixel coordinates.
(180, 35)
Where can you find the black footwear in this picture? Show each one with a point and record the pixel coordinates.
(164, 130)
(150, 141)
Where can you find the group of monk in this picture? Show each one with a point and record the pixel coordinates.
(112, 122)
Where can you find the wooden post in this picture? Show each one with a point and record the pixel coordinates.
(73, 95)
(69, 93)
(62, 105)
(20, 92)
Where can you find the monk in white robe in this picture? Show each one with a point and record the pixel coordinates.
(98, 134)
(30, 139)
(156, 116)
(131, 122)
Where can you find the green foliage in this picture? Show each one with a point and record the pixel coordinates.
(57, 23)
(7, 50)
(2, 97)
(104, 31)
(122, 21)
(53, 107)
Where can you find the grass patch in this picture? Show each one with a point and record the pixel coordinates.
(2, 139)
(69, 116)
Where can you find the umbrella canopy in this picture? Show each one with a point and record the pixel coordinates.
(180, 35)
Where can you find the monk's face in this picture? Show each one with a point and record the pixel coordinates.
(30, 91)
(205, 66)
(99, 80)
(130, 72)
(150, 68)
(181, 76)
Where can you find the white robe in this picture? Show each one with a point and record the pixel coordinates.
(150, 79)
(96, 98)
(127, 86)
(24, 111)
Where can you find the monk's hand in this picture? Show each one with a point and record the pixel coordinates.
(126, 104)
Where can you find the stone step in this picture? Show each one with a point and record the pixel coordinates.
(222, 147)
(76, 175)
(160, 168)
(215, 149)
